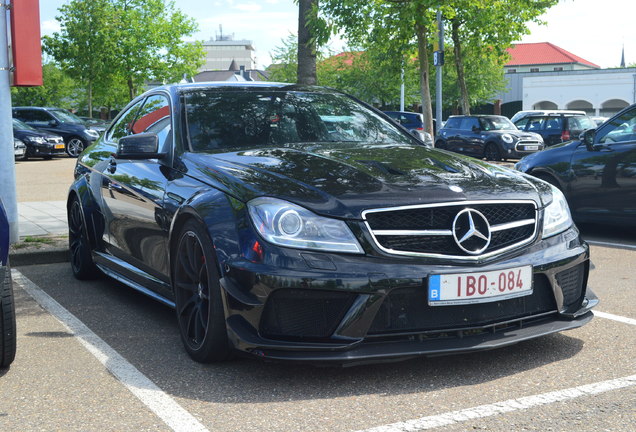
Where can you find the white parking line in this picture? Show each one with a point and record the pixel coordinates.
(615, 317)
(166, 408)
(506, 406)
(611, 244)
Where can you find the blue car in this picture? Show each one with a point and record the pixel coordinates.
(7, 307)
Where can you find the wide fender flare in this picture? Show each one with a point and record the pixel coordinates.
(90, 209)
(221, 215)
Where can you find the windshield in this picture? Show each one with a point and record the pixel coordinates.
(20, 125)
(66, 117)
(496, 123)
(230, 119)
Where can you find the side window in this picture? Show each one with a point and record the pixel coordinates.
(123, 125)
(154, 117)
(620, 129)
(468, 123)
(453, 123)
(534, 124)
(521, 124)
(553, 124)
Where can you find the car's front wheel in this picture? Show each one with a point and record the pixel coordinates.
(75, 146)
(491, 152)
(7, 321)
(198, 296)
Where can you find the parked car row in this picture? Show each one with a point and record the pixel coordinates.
(49, 132)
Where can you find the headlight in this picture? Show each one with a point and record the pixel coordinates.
(286, 224)
(92, 133)
(556, 217)
(36, 140)
(507, 138)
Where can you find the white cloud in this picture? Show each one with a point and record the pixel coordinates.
(248, 7)
(49, 26)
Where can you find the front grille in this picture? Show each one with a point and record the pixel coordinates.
(571, 283)
(428, 230)
(407, 310)
(303, 314)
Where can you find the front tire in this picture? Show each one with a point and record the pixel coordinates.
(198, 299)
(491, 152)
(7, 321)
(79, 247)
(75, 146)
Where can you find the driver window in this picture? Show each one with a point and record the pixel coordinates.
(621, 129)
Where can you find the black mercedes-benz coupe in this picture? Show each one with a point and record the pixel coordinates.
(296, 223)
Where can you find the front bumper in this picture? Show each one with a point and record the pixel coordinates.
(323, 308)
(46, 150)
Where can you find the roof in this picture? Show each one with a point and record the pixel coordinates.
(524, 54)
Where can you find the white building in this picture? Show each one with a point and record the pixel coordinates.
(220, 53)
(544, 76)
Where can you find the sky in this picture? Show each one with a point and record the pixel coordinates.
(593, 30)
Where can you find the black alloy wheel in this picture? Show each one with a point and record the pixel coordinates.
(7, 321)
(491, 152)
(79, 247)
(75, 146)
(198, 296)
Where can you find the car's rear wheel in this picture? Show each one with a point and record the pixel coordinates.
(79, 247)
(75, 146)
(548, 178)
(7, 321)
(491, 152)
(198, 296)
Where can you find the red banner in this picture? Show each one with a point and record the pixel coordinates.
(26, 46)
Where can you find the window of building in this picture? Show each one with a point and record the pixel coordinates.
(558, 69)
(512, 70)
(534, 69)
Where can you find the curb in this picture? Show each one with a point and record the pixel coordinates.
(48, 256)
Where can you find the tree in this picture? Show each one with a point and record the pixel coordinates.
(58, 89)
(489, 27)
(84, 47)
(149, 37)
(394, 26)
(284, 67)
(307, 14)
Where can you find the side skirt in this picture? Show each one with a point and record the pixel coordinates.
(117, 269)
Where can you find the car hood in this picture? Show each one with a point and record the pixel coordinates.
(29, 133)
(515, 133)
(343, 179)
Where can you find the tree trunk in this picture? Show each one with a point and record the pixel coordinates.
(425, 90)
(307, 10)
(89, 90)
(459, 66)
(131, 88)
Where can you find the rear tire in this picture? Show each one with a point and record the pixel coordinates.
(79, 247)
(199, 305)
(548, 179)
(7, 321)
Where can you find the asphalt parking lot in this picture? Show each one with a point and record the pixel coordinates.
(97, 356)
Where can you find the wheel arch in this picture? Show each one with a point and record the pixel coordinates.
(80, 190)
(218, 214)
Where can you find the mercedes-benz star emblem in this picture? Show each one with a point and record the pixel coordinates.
(471, 231)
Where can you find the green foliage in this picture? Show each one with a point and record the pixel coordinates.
(58, 90)
(284, 65)
(114, 47)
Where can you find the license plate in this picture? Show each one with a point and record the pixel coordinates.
(59, 146)
(479, 287)
(532, 147)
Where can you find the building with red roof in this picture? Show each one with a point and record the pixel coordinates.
(544, 57)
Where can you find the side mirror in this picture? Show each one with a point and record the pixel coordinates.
(476, 129)
(53, 123)
(587, 137)
(140, 146)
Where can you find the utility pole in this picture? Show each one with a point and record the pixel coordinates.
(7, 157)
(438, 60)
(402, 90)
